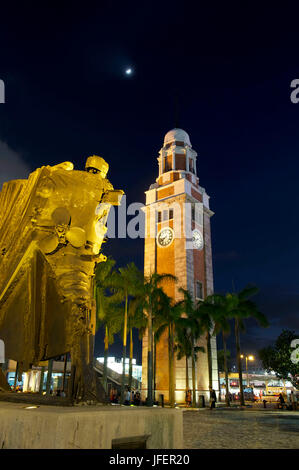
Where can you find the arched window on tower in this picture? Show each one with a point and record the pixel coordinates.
(198, 290)
(168, 163)
(180, 162)
(193, 211)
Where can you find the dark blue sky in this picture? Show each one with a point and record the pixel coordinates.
(67, 97)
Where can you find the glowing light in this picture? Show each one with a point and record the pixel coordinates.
(129, 71)
(30, 407)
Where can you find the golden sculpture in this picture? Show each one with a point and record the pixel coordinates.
(52, 226)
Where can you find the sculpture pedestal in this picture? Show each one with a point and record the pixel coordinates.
(89, 427)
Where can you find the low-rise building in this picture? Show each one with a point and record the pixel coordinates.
(116, 364)
(261, 383)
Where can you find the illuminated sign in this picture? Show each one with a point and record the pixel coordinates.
(234, 383)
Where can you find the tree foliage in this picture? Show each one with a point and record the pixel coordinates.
(220, 359)
(277, 358)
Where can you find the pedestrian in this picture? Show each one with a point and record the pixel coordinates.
(281, 401)
(127, 397)
(293, 401)
(188, 398)
(137, 399)
(213, 398)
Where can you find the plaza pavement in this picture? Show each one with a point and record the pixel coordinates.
(252, 428)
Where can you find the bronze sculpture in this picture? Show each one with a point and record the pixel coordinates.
(52, 227)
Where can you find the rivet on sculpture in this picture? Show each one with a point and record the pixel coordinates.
(52, 227)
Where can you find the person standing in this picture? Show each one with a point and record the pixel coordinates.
(281, 402)
(128, 397)
(137, 399)
(189, 398)
(293, 401)
(213, 398)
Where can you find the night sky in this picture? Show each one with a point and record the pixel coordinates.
(68, 97)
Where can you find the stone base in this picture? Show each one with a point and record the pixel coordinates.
(34, 399)
(89, 427)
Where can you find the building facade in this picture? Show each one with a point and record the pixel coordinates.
(178, 241)
(116, 364)
(262, 383)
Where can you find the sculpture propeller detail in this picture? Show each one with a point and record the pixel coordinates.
(63, 233)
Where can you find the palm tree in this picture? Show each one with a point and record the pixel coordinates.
(236, 306)
(185, 348)
(243, 308)
(225, 331)
(151, 298)
(205, 319)
(127, 282)
(194, 323)
(217, 307)
(105, 307)
(113, 324)
(167, 319)
(223, 357)
(136, 319)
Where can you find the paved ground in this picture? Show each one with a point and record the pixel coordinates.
(241, 429)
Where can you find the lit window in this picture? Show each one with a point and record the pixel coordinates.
(193, 211)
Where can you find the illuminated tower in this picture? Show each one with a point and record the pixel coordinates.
(178, 241)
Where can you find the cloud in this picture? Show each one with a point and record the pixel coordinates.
(12, 166)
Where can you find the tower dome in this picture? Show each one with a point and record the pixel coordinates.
(178, 135)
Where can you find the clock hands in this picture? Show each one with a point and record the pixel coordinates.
(165, 236)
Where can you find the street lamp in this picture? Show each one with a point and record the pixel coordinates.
(247, 358)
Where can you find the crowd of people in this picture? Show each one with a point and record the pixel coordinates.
(131, 397)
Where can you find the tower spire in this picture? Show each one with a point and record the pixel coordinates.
(176, 108)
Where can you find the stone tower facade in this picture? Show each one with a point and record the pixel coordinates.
(178, 241)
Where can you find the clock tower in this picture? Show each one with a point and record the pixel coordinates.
(178, 241)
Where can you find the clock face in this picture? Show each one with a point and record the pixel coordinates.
(165, 236)
(197, 239)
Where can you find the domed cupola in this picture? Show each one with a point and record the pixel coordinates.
(176, 158)
(177, 135)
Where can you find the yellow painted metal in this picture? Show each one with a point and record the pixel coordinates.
(52, 226)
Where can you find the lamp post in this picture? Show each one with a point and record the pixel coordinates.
(247, 358)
